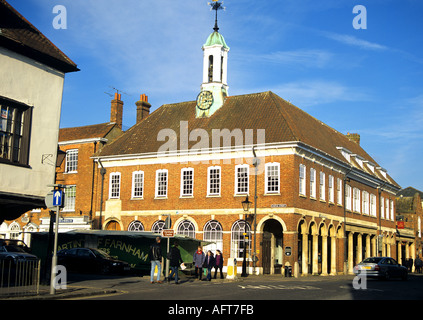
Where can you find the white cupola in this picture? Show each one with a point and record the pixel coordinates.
(214, 88)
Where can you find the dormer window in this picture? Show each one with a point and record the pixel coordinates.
(370, 165)
(383, 172)
(359, 160)
(345, 152)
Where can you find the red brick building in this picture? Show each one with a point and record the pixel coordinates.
(409, 216)
(78, 173)
(323, 203)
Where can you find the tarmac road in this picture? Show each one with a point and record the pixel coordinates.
(274, 287)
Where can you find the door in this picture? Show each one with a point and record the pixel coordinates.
(267, 252)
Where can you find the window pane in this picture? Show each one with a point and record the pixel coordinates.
(114, 185)
(161, 183)
(242, 179)
(213, 232)
(158, 226)
(70, 197)
(137, 184)
(71, 160)
(238, 240)
(136, 226)
(272, 178)
(187, 176)
(186, 228)
(214, 181)
(11, 133)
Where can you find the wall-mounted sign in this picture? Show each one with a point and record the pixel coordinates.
(278, 206)
(288, 251)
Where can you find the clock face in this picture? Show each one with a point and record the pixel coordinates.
(205, 100)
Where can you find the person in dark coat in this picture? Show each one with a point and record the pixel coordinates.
(209, 264)
(155, 255)
(175, 261)
(218, 263)
(198, 260)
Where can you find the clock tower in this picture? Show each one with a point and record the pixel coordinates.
(214, 88)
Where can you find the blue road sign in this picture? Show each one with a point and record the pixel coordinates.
(57, 198)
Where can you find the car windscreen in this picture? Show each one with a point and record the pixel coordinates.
(14, 249)
(372, 260)
(101, 254)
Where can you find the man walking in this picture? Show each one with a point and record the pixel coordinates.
(175, 261)
(155, 258)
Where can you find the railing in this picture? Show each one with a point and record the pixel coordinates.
(20, 278)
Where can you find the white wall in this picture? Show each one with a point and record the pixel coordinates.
(27, 81)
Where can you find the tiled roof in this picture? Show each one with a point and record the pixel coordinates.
(409, 192)
(85, 132)
(19, 35)
(282, 121)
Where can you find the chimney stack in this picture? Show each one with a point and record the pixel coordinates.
(116, 113)
(143, 108)
(354, 137)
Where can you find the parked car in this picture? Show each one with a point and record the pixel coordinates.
(382, 268)
(14, 251)
(89, 260)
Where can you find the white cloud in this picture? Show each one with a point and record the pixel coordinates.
(316, 92)
(307, 57)
(354, 41)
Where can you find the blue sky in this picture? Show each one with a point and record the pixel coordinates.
(366, 81)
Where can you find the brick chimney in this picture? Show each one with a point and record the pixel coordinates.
(116, 113)
(354, 137)
(143, 108)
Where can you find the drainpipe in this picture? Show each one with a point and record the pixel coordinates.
(379, 237)
(102, 172)
(92, 184)
(256, 164)
(345, 222)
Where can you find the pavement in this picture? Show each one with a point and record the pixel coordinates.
(80, 286)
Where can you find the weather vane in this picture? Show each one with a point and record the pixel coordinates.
(216, 5)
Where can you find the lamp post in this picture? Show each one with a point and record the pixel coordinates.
(256, 163)
(246, 206)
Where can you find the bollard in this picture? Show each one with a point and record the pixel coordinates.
(231, 272)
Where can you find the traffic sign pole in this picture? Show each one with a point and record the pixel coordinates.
(54, 260)
(57, 202)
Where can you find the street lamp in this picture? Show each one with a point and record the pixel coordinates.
(246, 206)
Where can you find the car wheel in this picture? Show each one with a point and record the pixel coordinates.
(404, 276)
(105, 269)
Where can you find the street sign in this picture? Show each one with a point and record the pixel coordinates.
(168, 222)
(49, 200)
(57, 198)
(168, 233)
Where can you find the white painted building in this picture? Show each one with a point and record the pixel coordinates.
(32, 75)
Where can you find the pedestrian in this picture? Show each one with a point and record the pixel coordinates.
(175, 261)
(198, 260)
(410, 264)
(418, 265)
(218, 264)
(209, 264)
(155, 259)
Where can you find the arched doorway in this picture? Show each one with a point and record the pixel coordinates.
(272, 247)
(113, 225)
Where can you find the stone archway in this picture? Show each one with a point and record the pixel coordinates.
(272, 247)
(112, 225)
